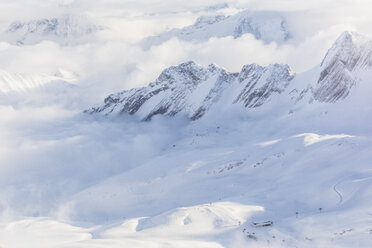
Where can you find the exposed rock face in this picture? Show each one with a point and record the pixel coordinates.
(260, 82)
(187, 88)
(192, 90)
(350, 54)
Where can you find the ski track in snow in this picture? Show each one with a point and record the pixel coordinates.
(341, 199)
(351, 179)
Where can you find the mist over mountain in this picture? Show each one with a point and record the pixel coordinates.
(265, 26)
(185, 124)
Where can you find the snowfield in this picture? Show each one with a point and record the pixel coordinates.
(203, 184)
(233, 186)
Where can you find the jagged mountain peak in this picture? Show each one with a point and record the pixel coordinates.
(347, 48)
(350, 53)
(191, 89)
(348, 37)
(272, 69)
(261, 82)
(186, 73)
(188, 88)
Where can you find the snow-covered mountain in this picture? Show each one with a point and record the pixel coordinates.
(265, 26)
(290, 170)
(64, 30)
(191, 90)
(235, 149)
(341, 67)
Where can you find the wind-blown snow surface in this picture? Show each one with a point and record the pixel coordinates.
(283, 174)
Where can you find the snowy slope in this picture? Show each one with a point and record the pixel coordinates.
(265, 26)
(227, 188)
(67, 29)
(209, 186)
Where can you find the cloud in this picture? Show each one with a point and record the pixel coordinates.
(50, 153)
(113, 60)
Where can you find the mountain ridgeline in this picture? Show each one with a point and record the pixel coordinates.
(263, 25)
(192, 90)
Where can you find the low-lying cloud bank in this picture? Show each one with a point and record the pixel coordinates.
(112, 59)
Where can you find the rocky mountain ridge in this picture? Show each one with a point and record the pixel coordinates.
(192, 90)
(350, 54)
